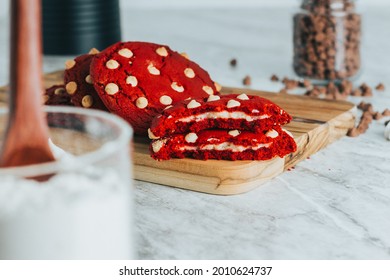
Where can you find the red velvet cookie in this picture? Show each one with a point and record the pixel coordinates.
(79, 84)
(137, 80)
(224, 144)
(243, 112)
(57, 95)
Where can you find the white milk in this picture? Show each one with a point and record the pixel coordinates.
(75, 215)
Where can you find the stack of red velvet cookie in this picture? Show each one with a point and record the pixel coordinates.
(162, 92)
(230, 127)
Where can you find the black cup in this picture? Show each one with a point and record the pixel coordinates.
(73, 27)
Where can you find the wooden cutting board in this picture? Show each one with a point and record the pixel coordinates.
(316, 123)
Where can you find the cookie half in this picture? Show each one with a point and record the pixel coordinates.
(243, 112)
(138, 80)
(57, 95)
(224, 145)
(79, 84)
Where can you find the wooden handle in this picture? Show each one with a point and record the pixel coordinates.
(26, 140)
(26, 47)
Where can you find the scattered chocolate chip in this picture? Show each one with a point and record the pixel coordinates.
(353, 132)
(356, 92)
(380, 87)
(290, 83)
(377, 116)
(274, 78)
(247, 80)
(233, 62)
(386, 113)
(366, 90)
(366, 107)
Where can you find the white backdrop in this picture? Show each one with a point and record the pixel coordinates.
(226, 3)
(182, 4)
(207, 3)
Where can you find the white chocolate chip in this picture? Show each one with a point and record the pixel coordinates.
(165, 100)
(166, 108)
(69, 64)
(175, 86)
(94, 51)
(189, 73)
(125, 53)
(87, 101)
(191, 137)
(111, 88)
(141, 102)
(288, 132)
(59, 91)
(193, 104)
(112, 64)
(208, 90)
(213, 98)
(218, 87)
(162, 51)
(272, 133)
(183, 54)
(71, 87)
(157, 145)
(255, 111)
(88, 79)
(131, 80)
(233, 103)
(234, 133)
(151, 135)
(243, 96)
(153, 70)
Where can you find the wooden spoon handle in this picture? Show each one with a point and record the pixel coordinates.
(26, 47)
(26, 140)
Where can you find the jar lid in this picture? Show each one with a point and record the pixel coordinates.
(328, 6)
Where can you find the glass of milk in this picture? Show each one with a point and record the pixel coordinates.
(84, 208)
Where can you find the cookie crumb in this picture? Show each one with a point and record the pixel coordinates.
(233, 62)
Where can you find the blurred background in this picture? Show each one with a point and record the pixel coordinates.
(257, 33)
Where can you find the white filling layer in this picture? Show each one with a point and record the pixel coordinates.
(223, 115)
(226, 146)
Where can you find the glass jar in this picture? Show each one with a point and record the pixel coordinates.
(84, 209)
(327, 35)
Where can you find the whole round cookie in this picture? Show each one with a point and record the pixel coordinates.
(138, 80)
(57, 95)
(78, 82)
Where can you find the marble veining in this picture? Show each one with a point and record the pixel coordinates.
(335, 205)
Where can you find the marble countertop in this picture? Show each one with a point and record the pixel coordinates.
(335, 205)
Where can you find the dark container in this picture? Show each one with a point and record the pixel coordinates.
(72, 27)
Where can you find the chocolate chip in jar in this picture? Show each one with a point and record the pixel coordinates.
(327, 36)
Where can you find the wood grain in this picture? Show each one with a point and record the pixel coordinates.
(317, 123)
